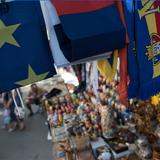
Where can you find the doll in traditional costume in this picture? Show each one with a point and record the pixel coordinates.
(107, 120)
(55, 118)
(60, 118)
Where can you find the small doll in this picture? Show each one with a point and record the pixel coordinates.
(93, 116)
(55, 117)
(89, 126)
(70, 108)
(60, 118)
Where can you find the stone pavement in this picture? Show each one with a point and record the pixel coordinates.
(30, 144)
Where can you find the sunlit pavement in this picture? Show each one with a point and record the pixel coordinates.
(30, 144)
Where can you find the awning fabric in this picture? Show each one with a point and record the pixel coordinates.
(88, 28)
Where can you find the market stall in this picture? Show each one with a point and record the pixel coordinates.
(112, 70)
(84, 128)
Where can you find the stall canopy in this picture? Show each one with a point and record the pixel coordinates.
(81, 30)
(24, 50)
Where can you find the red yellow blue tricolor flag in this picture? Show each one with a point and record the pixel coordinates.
(87, 29)
(148, 46)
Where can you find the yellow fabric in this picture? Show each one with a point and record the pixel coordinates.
(148, 12)
(155, 100)
(106, 70)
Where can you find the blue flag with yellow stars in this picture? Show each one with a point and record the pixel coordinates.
(25, 56)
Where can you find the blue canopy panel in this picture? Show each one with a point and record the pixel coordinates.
(89, 33)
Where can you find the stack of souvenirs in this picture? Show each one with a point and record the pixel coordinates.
(84, 116)
(87, 118)
(98, 118)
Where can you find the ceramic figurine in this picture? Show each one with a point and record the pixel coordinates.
(60, 119)
(55, 118)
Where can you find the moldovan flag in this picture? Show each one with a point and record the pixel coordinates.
(132, 57)
(25, 56)
(85, 29)
(148, 46)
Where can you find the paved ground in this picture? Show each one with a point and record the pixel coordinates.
(30, 144)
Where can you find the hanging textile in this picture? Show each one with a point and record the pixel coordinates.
(88, 72)
(80, 71)
(94, 78)
(148, 46)
(51, 19)
(79, 36)
(123, 85)
(107, 69)
(132, 57)
(24, 51)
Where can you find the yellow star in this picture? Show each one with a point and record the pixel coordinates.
(6, 34)
(32, 77)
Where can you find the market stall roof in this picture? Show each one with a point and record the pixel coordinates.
(76, 36)
(81, 36)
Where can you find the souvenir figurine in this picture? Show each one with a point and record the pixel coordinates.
(144, 148)
(66, 109)
(50, 110)
(93, 116)
(157, 133)
(63, 108)
(88, 126)
(93, 100)
(107, 120)
(68, 98)
(104, 156)
(81, 108)
(69, 108)
(97, 129)
(60, 118)
(86, 95)
(55, 117)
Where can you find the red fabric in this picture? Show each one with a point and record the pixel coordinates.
(157, 15)
(123, 85)
(155, 38)
(70, 6)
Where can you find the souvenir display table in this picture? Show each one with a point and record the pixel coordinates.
(83, 128)
(75, 147)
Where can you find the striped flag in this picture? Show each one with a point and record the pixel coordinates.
(148, 46)
(85, 29)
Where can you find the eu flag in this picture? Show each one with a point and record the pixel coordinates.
(25, 56)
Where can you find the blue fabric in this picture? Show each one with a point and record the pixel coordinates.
(34, 48)
(149, 85)
(132, 57)
(88, 34)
